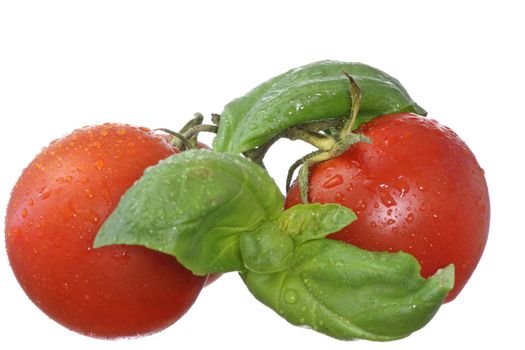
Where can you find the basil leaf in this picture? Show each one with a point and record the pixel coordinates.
(347, 293)
(310, 93)
(304, 222)
(195, 205)
(267, 250)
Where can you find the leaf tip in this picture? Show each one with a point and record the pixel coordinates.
(102, 238)
(445, 277)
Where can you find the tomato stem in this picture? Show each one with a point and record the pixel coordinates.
(321, 141)
(296, 165)
(194, 131)
(179, 141)
(215, 118)
(197, 120)
(355, 94)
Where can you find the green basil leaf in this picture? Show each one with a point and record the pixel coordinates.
(267, 250)
(304, 222)
(310, 93)
(347, 293)
(195, 205)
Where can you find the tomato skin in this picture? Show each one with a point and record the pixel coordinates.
(55, 211)
(417, 188)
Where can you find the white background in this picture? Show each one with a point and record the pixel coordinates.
(66, 64)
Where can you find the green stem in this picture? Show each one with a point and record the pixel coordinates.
(215, 118)
(355, 95)
(296, 165)
(178, 140)
(194, 131)
(197, 120)
(316, 139)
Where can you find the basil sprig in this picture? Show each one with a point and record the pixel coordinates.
(219, 212)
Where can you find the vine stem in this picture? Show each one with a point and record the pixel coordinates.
(194, 131)
(197, 120)
(316, 139)
(179, 140)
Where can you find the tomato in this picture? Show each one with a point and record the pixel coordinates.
(55, 211)
(416, 188)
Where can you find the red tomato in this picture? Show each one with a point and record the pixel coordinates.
(55, 212)
(417, 188)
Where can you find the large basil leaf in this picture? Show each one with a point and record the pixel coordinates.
(346, 292)
(310, 93)
(195, 206)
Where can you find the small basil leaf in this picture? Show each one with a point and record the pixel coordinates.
(347, 293)
(304, 222)
(310, 93)
(266, 250)
(195, 206)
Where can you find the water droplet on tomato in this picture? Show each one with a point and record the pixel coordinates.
(30, 202)
(290, 296)
(339, 197)
(386, 198)
(121, 131)
(361, 206)
(401, 184)
(89, 192)
(410, 218)
(24, 213)
(91, 216)
(44, 193)
(333, 181)
(68, 211)
(390, 140)
(121, 255)
(99, 164)
(390, 221)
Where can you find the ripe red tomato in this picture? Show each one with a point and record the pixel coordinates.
(416, 188)
(55, 212)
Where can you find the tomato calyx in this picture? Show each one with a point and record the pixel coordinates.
(186, 138)
(328, 146)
